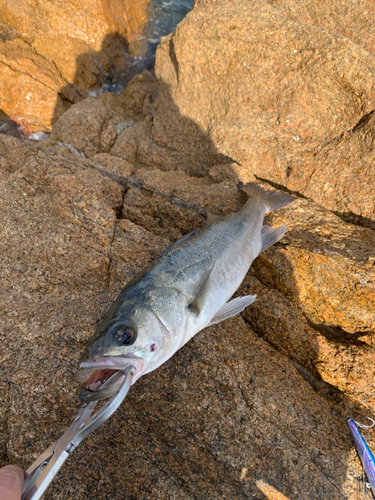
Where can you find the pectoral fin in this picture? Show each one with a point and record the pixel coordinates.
(271, 235)
(198, 304)
(232, 308)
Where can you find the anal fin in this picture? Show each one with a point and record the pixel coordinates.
(271, 235)
(232, 308)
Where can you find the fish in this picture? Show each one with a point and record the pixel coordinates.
(185, 289)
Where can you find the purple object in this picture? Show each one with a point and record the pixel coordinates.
(364, 452)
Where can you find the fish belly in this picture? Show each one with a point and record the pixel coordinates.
(229, 270)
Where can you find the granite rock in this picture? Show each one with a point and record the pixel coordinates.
(350, 19)
(98, 124)
(289, 101)
(252, 408)
(53, 54)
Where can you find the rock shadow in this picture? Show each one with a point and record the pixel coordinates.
(356, 219)
(9, 126)
(108, 70)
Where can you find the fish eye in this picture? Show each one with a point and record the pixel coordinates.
(124, 333)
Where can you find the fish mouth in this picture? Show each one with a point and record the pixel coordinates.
(101, 378)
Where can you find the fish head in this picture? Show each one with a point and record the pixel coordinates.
(129, 339)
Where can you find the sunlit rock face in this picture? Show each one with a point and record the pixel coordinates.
(291, 102)
(53, 54)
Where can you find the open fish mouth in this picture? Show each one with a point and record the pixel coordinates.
(102, 377)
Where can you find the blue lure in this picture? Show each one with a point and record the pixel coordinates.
(364, 452)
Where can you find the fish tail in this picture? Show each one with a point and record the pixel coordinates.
(273, 199)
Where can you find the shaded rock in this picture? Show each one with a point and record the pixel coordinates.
(228, 416)
(216, 421)
(291, 103)
(94, 125)
(198, 193)
(112, 166)
(126, 144)
(140, 242)
(333, 267)
(207, 425)
(4, 405)
(315, 298)
(90, 142)
(13, 154)
(53, 55)
(8, 126)
(157, 214)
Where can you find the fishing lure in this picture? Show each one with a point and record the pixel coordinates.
(364, 452)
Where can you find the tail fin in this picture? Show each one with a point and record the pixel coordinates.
(273, 199)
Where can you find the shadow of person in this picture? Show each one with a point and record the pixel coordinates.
(107, 70)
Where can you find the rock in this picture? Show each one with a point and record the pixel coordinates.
(142, 242)
(53, 55)
(8, 126)
(255, 406)
(112, 166)
(156, 213)
(292, 103)
(341, 18)
(30, 87)
(14, 154)
(57, 240)
(94, 125)
(200, 194)
(334, 272)
(216, 410)
(315, 295)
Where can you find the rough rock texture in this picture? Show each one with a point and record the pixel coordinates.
(114, 116)
(52, 54)
(252, 408)
(292, 103)
(351, 19)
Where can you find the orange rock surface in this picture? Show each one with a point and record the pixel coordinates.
(53, 53)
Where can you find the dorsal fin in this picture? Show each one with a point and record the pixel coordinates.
(212, 217)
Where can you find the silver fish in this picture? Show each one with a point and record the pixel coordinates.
(182, 291)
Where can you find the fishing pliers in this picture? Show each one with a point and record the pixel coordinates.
(46, 466)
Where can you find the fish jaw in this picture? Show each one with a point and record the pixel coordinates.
(94, 373)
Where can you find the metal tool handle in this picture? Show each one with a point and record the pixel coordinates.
(46, 466)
